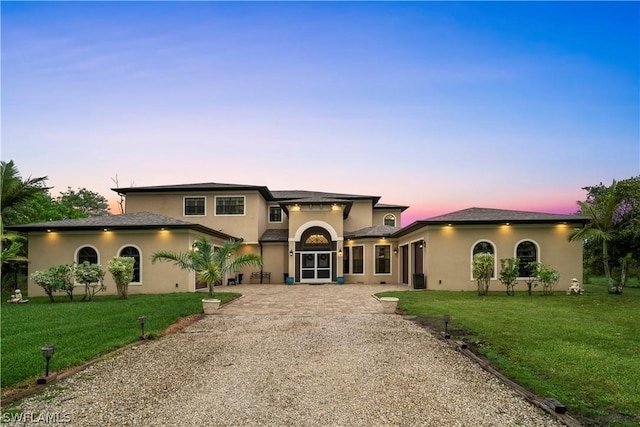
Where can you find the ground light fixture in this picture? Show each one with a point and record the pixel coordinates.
(447, 319)
(47, 352)
(142, 320)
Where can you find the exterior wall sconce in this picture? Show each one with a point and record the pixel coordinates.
(395, 251)
(142, 320)
(290, 253)
(421, 245)
(47, 352)
(340, 252)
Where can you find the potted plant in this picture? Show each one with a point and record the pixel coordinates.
(210, 264)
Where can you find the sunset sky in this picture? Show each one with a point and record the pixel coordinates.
(440, 106)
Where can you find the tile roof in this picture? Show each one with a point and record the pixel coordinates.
(203, 186)
(492, 216)
(487, 214)
(138, 220)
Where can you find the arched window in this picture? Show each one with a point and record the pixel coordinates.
(130, 251)
(87, 253)
(486, 248)
(390, 219)
(527, 252)
(316, 239)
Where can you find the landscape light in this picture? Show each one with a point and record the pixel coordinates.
(47, 352)
(142, 320)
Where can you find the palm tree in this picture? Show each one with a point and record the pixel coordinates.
(210, 263)
(16, 191)
(601, 228)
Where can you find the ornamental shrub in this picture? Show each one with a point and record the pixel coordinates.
(91, 276)
(58, 278)
(482, 271)
(546, 275)
(121, 268)
(509, 271)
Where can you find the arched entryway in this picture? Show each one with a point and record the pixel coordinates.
(315, 260)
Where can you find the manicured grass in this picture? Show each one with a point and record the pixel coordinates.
(83, 330)
(583, 350)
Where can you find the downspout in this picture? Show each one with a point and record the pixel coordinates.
(261, 271)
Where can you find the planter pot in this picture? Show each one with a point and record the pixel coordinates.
(210, 306)
(290, 280)
(340, 280)
(389, 304)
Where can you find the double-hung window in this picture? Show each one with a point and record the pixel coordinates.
(194, 206)
(275, 214)
(230, 205)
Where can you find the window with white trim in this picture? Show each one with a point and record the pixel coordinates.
(87, 253)
(526, 252)
(487, 248)
(132, 252)
(382, 259)
(390, 219)
(230, 205)
(275, 214)
(195, 206)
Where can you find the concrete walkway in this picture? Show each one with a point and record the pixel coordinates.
(303, 299)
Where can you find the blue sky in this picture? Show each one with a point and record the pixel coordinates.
(440, 106)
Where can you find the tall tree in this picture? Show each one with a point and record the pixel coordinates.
(88, 202)
(614, 212)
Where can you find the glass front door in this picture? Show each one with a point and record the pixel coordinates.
(315, 267)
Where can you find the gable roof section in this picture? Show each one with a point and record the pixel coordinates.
(130, 221)
(492, 216)
(382, 206)
(375, 231)
(275, 235)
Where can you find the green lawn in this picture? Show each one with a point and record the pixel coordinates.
(82, 330)
(583, 350)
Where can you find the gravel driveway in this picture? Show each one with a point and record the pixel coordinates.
(361, 369)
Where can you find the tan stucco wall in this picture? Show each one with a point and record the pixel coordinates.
(304, 218)
(360, 216)
(276, 260)
(249, 226)
(449, 251)
(50, 249)
(379, 214)
(369, 275)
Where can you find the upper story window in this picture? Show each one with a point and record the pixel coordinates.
(87, 253)
(275, 214)
(195, 206)
(229, 205)
(390, 219)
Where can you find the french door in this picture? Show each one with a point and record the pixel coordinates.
(315, 267)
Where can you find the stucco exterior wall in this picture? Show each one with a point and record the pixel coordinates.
(275, 257)
(61, 247)
(369, 276)
(360, 216)
(379, 214)
(249, 226)
(448, 254)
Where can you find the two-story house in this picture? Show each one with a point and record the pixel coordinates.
(312, 237)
